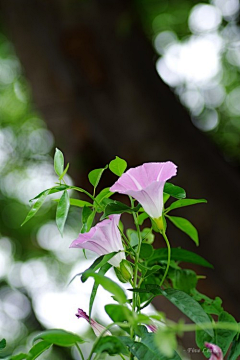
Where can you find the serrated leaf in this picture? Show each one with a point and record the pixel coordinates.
(36, 206)
(180, 255)
(118, 166)
(185, 226)
(189, 307)
(59, 337)
(95, 175)
(38, 349)
(110, 286)
(184, 202)
(175, 191)
(62, 211)
(58, 162)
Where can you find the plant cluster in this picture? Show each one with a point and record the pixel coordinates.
(149, 272)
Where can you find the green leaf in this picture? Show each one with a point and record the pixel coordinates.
(64, 172)
(184, 202)
(188, 306)
(50, 191)
(147, 348)
(111, 345)
(20, 356)
(38, 349)
(186, 227)
(110, 286)
(179, 254)
(174, 191)
(146, 251)
(104, 194)
(119, 313)
(148, 271)
(36, 206)
(95, 175)
(210, 306)
(62, 211)
(184, 280)
(87, 219)
(3, 344)
(60, 337)
(101, 272)
(80, 203)
(202, 337)
(117, 207)
(97, 264)
(142, 217)
(132, 236)
(224, 337)
(118, 166)
(235, 349)
(58, 162)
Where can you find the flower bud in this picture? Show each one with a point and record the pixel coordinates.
(125, 272)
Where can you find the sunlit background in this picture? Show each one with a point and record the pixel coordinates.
(198, 51)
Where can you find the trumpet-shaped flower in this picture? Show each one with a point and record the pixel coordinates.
(103, 238)
(145, 183)
(215, 351)
(97, 328)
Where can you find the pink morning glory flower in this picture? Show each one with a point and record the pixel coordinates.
(97, 328)
(103, 238)
(215, 350)
(145, 183)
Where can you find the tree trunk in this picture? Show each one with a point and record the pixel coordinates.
(94, 82)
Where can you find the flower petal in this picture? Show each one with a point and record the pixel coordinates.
(102, 239)
(145, 183)
(97, 328)
(215, 350)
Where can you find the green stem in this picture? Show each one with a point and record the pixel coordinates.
(79, 350)
(135, 275)
(205, 326)
(169, 256)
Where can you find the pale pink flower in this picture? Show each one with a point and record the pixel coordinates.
(145, 183)
(97, 328)
(103, 238)
(152, 327)
(215, 351)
